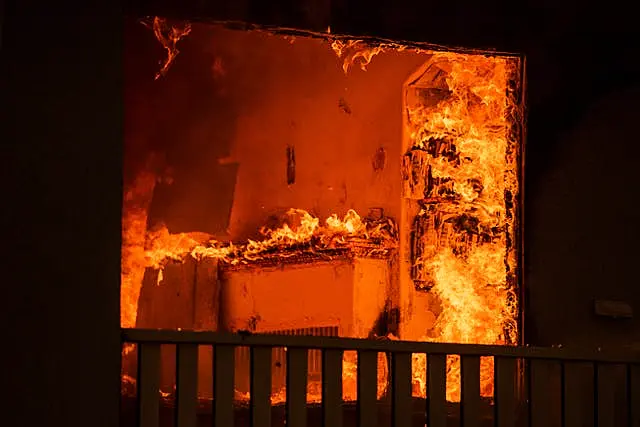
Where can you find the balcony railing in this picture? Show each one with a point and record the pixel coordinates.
(592, 389)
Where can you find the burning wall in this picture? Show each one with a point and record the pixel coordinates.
(416, 151)
(461, 176)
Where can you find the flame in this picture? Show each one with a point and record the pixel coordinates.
(478, 308)
(168, 36)
(137, 199)
(301, 233)
(349, 383)
(355, 51)
(142, 248)
(162, 246)
(153, 249)
(470, 274)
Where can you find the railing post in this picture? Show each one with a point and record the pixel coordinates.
(505, 371)
(401, 389)
(223, 385)
(148, 384)
(605, 403)
(367, 388)
(437, 390)
(470, 379)
(572, 408)
(633, 391)
(332, 388)
(538, 376)
(186, 385)
(297, 365)
(577, 402)
(260, 401)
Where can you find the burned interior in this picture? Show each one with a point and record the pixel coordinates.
(284, 182)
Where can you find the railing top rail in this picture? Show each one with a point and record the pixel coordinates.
(165, 336)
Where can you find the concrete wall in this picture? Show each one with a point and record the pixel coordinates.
(187, 297)
(349, 294)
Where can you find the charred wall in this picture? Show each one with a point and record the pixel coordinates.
(177, 128)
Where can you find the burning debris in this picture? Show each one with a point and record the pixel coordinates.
(459, 175)
(300, 235)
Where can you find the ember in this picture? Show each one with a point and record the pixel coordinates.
(168, 36)
(431, 137)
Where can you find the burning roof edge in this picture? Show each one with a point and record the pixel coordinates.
(369, 40)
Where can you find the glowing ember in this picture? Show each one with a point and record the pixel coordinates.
(355, 51)
(168, 36)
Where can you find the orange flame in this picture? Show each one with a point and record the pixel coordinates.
(136, 202)
(471, 279)
(153, 249)
(168, 36)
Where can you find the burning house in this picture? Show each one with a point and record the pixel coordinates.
(301, 183)
(276, 189)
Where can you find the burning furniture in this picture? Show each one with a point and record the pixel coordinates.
(329, 186)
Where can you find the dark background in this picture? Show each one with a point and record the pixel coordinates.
(62, 172)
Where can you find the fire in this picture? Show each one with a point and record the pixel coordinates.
(142, 248)
(137, 199)
(162, 246)
(460, 123)
(355, 51)
(349, 383)
(475, 176)
(301, 233)
(469, 258)
(168, 36)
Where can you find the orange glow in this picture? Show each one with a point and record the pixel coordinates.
(136, 203)
(349, 383)
(457, 117)
(470, 271)
(355, 51)
(168, 36)
(302, 232)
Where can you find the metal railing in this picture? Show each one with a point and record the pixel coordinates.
(610, 381)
